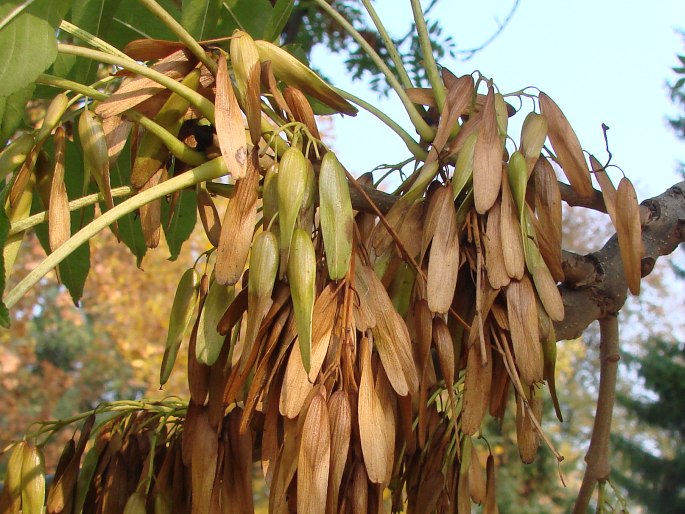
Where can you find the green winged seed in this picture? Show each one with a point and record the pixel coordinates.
(337, 219)
(15, 154)
(518, 180)
(533, 136)
(302, 278)
(32, 481)
(209, 341)
(463, 170)
(53, 114)
(181, 313)
(13, 472)
(292, 183)
(94, 145)
(263, 265)
(270, 198)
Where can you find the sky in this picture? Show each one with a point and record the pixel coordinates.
(602, 61)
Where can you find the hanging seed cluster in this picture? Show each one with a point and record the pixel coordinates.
(347, 349)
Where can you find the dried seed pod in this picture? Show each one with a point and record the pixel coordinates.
(477, 484)
(477, 386)
(548, 210)
(523, 323)
(510, 232)
(566, 145)
(151, 212)
(302, 279)
(230, 129)
(607, 187)
(490, 506)
(301, 109)
(443, 263)
(313, 462)
(445, 350)
(294, 73)
(336, 217)
(376, 420)
(629, 233)
(203, 462)
(340, 417)
(238, 225)
(247, 70)
(492, 241)
(179, 319)
(527, 435)
(487, 161)
(533, 136)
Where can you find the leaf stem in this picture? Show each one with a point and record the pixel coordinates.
(181, 33)
(416, 149)
(196, 99)
(207, 171)
(424, 130)
(92, 40)
(428, 58)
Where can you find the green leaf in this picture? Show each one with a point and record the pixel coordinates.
(73, 270)
(4, 231)
(279, 17)
(130, 230)
(133, 21)
(27, 41)
(179, 224)
(94, 16)
(12, 111)
(253, 16)
(200, 17)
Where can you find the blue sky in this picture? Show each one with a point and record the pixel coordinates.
(601, 61)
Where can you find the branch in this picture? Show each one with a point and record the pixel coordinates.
(595, 285)
(597, 457)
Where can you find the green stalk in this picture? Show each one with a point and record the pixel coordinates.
(92, 40)
(178, 148)
(181, 33)
(74, 205)
(207, 171)
(424, 130)
(389, 45)
(416, 149)
(429, 60)
(196, 99)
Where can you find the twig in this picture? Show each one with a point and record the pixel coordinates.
(597, 457)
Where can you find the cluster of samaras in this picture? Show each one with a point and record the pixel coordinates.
(349, 350)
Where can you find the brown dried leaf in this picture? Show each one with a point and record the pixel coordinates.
(443, 263)
(314, 458)
(230, 129)
(629, 233)
(523, 323)
(487, 163)
(566, 145)
(238, 225)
